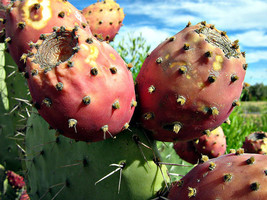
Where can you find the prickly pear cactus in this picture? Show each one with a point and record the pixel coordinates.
(213, 144)
(26, 20)
(256, 142)
(104, 19)
(9, 156)
(81, 87)
(190, 83)
(58, 167)
(223, 178)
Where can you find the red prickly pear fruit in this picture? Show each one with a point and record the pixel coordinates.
(190, 83)
(187, 151)
(80, 86)
(3, 6)
(28, 19)
(24, 195)
(15, 180)
(213, 144)
(229, 176)
(104, 18)
(256, 143)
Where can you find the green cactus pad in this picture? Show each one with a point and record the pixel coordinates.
(60, 168)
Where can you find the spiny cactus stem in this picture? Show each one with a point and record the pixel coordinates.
(173, 164)
(138, 142)
(120, 167)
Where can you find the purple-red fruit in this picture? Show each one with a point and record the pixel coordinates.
(28, 19)
(229, 176)
(80, 86)
(15, 180)
(213, 144)
(24, 195)
(190, 83)
(187, 151)
(256, 143)
(104, 18)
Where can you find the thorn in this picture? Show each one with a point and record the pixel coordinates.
(133, 103)
(89, 40)
(181, 100)
(192, 192)
(105, 130)
(255, 186)
(113, 70)
(73, 124)
(189, 24)
(159, 60)
(34, 72)
(208, 54)
(176, 128)
(86, 100)
(204, 23)
(245, 66)
(186, 46)
(21, 25)
(120, 168)
(94, 71)
(148, 116)
(212, 78)
(59, 86)
(251, 160)
(183, 69)
(227, 177)
(228, 121)
(70, 64)
(47, 102)
(207, 132)
(214, 111)
(236, 103)
(234, 78)
(151, 89)
(172, 38)
(130, 66)
(116, 105)
(223, 33)
(61, 14)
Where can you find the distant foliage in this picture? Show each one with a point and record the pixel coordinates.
(133, 50)
(257, 92)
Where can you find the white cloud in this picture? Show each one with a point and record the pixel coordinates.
(256, 56)
(227, 14)
(152, 35)
(253, 38)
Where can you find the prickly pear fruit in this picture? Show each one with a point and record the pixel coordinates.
(213, 144)
(15, 180)
(24, 195)
(59, 168)
(187, 151)
(190, 83)
(226, 177)
(104, 18)
(256, 143)
(80, 86)
(28, 19)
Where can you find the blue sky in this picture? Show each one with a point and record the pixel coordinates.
(244, 20)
